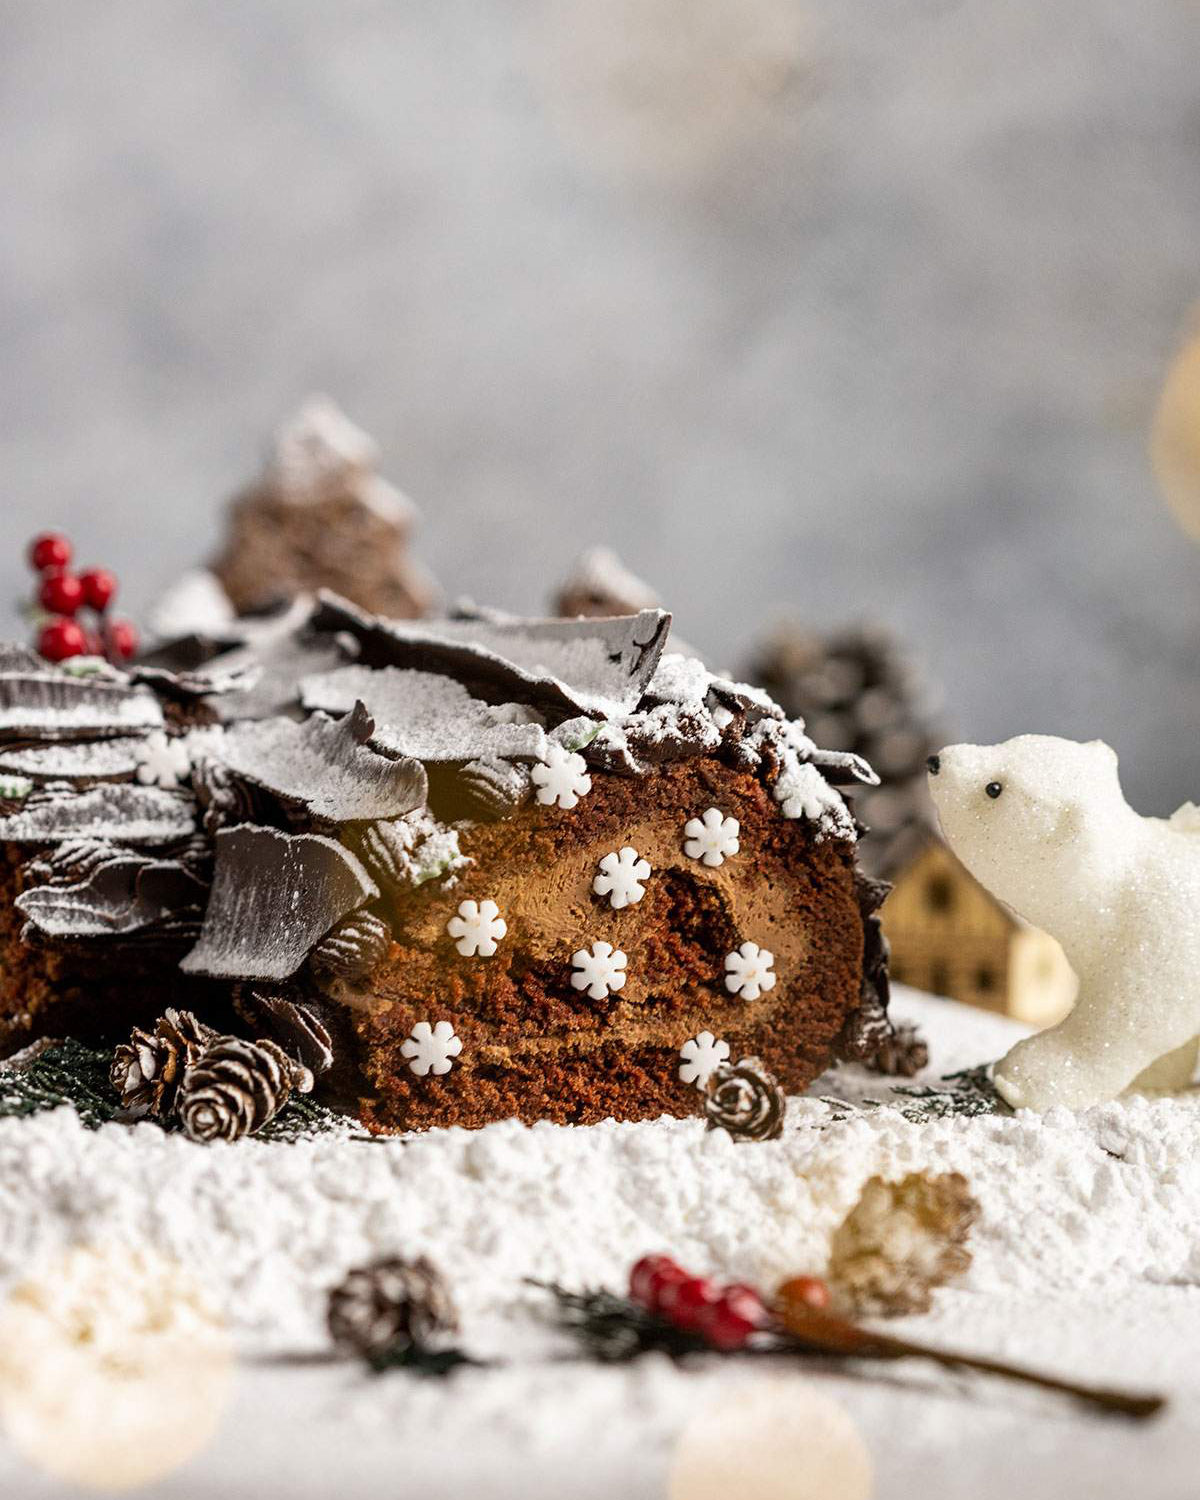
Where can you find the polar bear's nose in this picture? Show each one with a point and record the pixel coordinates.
(934, 764)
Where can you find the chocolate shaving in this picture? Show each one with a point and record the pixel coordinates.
(428, 716)
(122, 811)
(597, 667)
(274, 897)
(491, 790)
(327, 767)
(119, 893)
(53, 705)
(294, 1024)
(358, 944)
(73, 760)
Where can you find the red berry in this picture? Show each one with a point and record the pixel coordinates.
(644, 1275)
(61, 639)
(734, 1316)
(60, 593)
(50, 550)
(122, 640)
(99, 586)
(805, 1291)
(685, 1302)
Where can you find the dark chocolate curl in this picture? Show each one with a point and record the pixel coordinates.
(52, 704)
(595, 667)
(275, 896)
(325, 766)
(117, 893)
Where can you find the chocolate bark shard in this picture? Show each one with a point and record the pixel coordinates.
(72, 760)
(121, 893)
(428, 716)
(274, 897)
(53, 705)
(294, 1023)
(327, 767)
(121, 811)
(596, 667)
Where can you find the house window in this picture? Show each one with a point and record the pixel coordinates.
(985, 979)
(939, 979)
(939, 894)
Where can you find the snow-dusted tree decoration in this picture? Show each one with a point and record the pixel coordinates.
(162, 761)
(478, 928)
(712, 838)
(599, 970)
(561, 777)
(749, 972)
(702, 1055)
(621, 876)
(431, 1049)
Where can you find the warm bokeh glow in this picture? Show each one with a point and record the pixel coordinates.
(782, 1440)
(1175, 443)
(114, 1371)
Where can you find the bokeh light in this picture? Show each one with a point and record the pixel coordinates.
(783, 1440)
(1175, 442)
(114, 1371)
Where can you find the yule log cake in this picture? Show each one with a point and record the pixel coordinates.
(464, 868)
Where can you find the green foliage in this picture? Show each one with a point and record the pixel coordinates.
(66, 1073)
(73, 1073)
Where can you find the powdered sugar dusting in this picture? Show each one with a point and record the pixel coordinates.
(427, 716)
(1084, 1261)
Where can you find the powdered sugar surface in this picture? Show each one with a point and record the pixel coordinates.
(1085, 1261)
(426, 715)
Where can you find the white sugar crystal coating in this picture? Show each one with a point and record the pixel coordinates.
(1043, 824)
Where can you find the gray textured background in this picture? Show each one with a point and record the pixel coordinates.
(843, 307)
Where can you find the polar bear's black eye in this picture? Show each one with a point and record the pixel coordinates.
(993, 789)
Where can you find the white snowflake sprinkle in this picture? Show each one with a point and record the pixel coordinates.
(599, 970)
(712, 838)
(702, 1055)
(748, 971)
(561, 777)
(431, 1049)
(478, 928)
(162, 761)
(620, 878)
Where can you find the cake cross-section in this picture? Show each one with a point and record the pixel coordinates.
(510, 867)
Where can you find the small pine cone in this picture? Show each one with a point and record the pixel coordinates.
(389, 1306)
(746, 1101)
(149, 1068)
(902, 1054)
(900, 1241)
(235, 1087)
(358, 944)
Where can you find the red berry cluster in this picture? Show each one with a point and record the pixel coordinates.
(724, 1316)
(62, 594)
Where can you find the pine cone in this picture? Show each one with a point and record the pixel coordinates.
(858, 690)
(746, 1101)
(149, 1068)
(902, 1054)
(900, 1241)
(389, 1306)
(235, 1087)
(358, 944)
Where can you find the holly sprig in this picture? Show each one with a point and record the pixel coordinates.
(62, 596)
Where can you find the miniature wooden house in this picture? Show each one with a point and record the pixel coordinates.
(950, 936)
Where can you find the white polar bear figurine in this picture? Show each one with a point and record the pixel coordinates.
(1043, 824)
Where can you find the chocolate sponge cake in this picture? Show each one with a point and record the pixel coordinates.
(464, 869)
